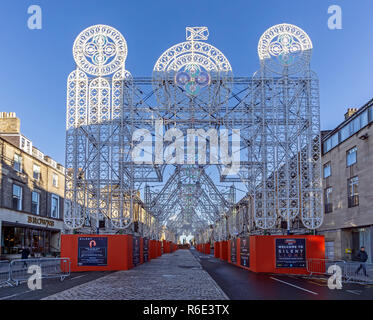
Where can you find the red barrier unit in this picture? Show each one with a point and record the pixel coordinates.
(217, 250)
(159, 248)
(207, 248)
(152, 249)
(224, 250)
(229, 251)
(141, 250)
(165, 246)
(115, 252)
(263, 252)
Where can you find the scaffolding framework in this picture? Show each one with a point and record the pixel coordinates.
(276, 113)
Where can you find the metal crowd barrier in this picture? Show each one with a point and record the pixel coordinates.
(50, 268)
(349, 270)
(5, 272)
(350, 273)
(321, 266)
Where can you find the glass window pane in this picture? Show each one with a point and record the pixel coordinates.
(364, 119)
(351, 156)
(55, 207)
(334, 140)
(345, 133)
(356, 124)
(327, 170)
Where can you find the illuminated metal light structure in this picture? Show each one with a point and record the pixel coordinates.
(287, 140)
(192, 90)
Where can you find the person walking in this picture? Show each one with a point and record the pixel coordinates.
(362, 256)
(24, 255)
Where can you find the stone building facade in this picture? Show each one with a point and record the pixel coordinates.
(31, 194)
(348, 185)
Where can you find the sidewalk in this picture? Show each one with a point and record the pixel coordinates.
(176, 276)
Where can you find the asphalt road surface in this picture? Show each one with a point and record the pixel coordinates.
(50, 286)
(241, 284)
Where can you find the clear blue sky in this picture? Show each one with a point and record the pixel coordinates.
(35, 63)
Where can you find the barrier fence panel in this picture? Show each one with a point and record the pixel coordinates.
(49, 267)
(354, 272)
(5, 272)
(321, 266)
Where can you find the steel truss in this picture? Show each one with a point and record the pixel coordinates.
(192, 88)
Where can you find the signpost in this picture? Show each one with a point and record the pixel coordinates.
(92, 251)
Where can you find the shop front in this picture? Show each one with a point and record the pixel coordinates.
(41, 235)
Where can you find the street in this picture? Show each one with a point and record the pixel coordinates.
(185, 275)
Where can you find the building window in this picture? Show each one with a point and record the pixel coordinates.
(327, 170)
(17, 197)
(328, 200)
(353, 192)
(17, 163)
(55, 207)
(351, 156)
(36, 172)
(35, 202)
(55, 180)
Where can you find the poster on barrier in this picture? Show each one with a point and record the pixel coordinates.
(92, 251)
(233, 244)
(245, 252)
(290, 253)
(136, 250)
(145, 249)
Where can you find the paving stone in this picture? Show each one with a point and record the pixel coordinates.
(175, 276)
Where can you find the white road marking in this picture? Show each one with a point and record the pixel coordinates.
(357, 292)
(79, 276)
(292, 285)
(14, 295)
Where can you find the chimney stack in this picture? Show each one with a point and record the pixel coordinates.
(9, 123)
(350, 112)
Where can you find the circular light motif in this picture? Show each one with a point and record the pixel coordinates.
(192, 78)
(285, 45)
(100, 50)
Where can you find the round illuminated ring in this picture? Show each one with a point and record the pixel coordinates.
(100, 50)
(285, 46)
(203, 54)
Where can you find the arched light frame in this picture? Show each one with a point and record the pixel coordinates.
(100, 50)
(285, 40)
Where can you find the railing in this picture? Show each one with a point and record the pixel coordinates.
(5, 272)
(321, 266)
(49, 268)
(352, 272)
(358, 272)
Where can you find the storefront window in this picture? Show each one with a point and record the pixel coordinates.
(14, 239)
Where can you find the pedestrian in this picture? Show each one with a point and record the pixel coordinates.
(362, 256)
(24, 255)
